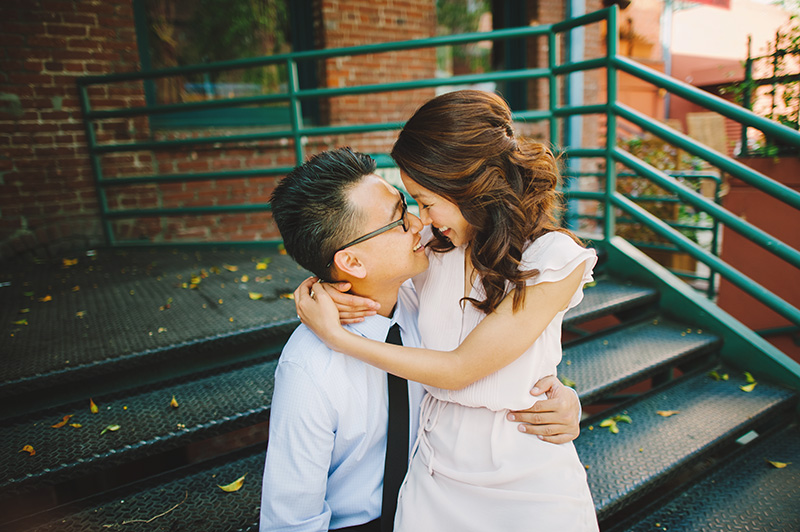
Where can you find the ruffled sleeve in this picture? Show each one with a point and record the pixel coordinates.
(556, 255)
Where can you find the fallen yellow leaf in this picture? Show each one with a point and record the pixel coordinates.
(245, 278)
(76, 425)
(28, 449)
(62, 422)
(231, 267)
(281, 249)
(568, 382)
(24, 310)
(93, 407)
(46, 298)
(110, 428)
(749, 377)
(173, 403)
(215, 269)
(236, 485)
(261, 266)
(21, 322)
(69, 262)
(76, 288)
(748, 387)
(287, 296)
(255, 295)
(778, 465)
(667, 413)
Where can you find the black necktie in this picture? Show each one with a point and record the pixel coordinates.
(397, 440)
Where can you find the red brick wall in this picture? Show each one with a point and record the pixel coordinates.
(360, 22)
(48, 202)
(46, 190)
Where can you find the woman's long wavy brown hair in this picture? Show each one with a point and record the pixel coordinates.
(461, 146)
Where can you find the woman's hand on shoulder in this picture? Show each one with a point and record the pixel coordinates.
(318, 312)
(352, 308)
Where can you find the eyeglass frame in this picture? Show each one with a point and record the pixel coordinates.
(388, 227)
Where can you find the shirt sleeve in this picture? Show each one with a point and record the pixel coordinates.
(556, 255)
(301, 438)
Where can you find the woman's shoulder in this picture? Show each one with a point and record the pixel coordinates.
(553, 250)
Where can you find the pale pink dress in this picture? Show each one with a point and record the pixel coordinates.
(473, 470)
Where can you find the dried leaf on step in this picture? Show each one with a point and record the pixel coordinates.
(46, 298)
(245, 278)
(76, 288)
(173, 403)
(261, 266)
(749, 377)
(667, 413)
(28, 449)
(93, 407)
(231, 267)
(76, 425)
(255, 296)
(69, 262)
(21, 322)
(568, 382)
(717, 377)
(110, 428)
(62, 422)
(778, 465)
(290, 295)
(748, 387)
(236, 485)
(281, 249)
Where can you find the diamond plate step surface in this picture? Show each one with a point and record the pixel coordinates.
(148, 424)
(605, 364)
(121, 309)
(608, 296)
(189, 499)
(625, 466)
(746, 493)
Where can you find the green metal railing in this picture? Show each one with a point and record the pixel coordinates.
(612, 155)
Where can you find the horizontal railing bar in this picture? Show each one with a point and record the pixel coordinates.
(465, 79)
(269, 242)
(713, 103)
(687, 175)
(724, 163)
(723, 215)
(249, 137)
(180, 211)
(624, 220)
(751, 287)
(533, 116)
(582, 20)
(308, 55)
(581, 110)
(587, 64)
(584, 152)
(583, 195)
(204, 176)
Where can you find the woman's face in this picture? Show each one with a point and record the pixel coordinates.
(439, 212)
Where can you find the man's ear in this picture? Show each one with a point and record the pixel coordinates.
(350, 264)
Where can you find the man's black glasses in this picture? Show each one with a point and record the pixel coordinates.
(402, 221)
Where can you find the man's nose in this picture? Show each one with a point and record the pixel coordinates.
(415, 223)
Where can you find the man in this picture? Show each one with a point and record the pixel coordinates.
(327, 451)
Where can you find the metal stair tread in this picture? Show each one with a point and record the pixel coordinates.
(121, 309)
(207, 406)
(746, 493)
(627, 465)
(193, 491)
(609, 362)
(607, 296)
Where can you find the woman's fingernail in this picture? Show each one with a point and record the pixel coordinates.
(511, 417)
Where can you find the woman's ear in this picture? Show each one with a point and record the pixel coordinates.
(350, 264)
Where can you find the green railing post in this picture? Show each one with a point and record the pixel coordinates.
(295, 112)
(746, 96)
(97, 169)
(552, 61)
(612, 89)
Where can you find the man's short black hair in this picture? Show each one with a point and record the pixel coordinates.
(312, 210)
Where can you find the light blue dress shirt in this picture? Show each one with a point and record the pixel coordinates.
(328, 424)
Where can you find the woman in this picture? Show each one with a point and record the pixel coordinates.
(501, 277)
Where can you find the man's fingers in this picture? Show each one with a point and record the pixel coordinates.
(355, 315)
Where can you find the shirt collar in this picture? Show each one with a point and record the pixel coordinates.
(377, 327)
